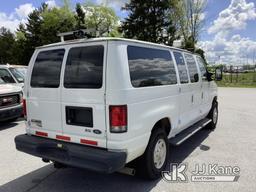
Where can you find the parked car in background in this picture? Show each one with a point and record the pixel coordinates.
(10, 97)
(14, 73)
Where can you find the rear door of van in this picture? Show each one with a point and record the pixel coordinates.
(83, 94)
(43, 89)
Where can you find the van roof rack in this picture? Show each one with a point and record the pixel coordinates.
(78, 34)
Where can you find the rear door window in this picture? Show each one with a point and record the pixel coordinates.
(183, 73)
(150, 67)
(47, 69)
(192, 68)
(84, 68)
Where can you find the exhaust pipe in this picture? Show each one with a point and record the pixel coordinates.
(127, 171)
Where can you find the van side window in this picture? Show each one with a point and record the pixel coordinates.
(150, 67)
(84, 68)
(192, 68)
(181, 67)
(47, 68)
(202, 68)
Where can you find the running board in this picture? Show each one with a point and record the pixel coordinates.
(187, 133)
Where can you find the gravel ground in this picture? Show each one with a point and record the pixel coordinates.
(233, 143)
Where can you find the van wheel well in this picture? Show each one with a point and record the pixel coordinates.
(163, 124)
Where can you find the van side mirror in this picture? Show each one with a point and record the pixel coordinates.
(218, 74)
(209, 76)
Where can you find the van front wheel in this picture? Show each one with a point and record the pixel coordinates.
(156, 155)
(213, 115)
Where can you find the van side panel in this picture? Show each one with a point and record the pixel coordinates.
(146, 105)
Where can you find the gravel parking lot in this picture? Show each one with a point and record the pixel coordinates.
(233, 143)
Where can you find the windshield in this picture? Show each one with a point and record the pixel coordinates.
(19, 73)
(5, 77)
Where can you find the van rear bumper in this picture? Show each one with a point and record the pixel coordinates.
(81, 156)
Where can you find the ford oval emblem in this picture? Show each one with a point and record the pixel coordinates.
(96, 131)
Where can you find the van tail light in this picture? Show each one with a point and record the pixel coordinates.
(118, 118)
(24, 108)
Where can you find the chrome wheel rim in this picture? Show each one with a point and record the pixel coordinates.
(159, 153)
(215, 115)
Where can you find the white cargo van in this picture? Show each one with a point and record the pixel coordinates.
(101, 103)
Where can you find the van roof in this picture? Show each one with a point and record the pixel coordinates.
(76, 41)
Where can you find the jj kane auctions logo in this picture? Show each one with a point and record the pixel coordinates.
(202, 173)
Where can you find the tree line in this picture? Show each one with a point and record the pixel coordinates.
(158, 21)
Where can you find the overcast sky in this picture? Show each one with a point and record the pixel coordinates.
(229, 34)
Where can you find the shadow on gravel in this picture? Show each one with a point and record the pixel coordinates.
(71, 179)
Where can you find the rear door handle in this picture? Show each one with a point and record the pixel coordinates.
(192, 99)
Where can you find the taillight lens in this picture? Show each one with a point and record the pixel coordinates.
(118, 119)
(24, 108)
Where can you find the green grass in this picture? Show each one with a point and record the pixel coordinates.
(247, 80)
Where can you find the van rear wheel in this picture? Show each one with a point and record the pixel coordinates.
(155, 158)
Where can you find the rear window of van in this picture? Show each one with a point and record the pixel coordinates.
(47, 69)
(84, 68)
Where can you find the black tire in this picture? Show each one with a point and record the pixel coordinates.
(147, 168)
(58, 165)
(213, 123)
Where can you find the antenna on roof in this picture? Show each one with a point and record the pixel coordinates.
(79, 34)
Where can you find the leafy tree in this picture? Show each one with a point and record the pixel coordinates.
(149, 20)
(33, 32)
(190, 19)
(42, 28)
(7, 44)
(201, 53)
(29, 35)
(80, 16)
(100, 19)
(22, 53)
(56, 20)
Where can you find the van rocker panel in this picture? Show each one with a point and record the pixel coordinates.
(81, 156)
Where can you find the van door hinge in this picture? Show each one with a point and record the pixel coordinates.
(27, 94)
